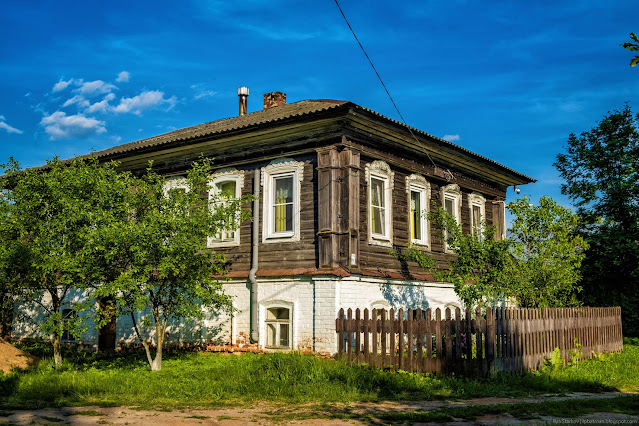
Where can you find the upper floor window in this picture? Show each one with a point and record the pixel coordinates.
(225, 185)
(380, 181)
(451, 202)
(281, 180)
(477, 204)
(418, 191)
(175, 183)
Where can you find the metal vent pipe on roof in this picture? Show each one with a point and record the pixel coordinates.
(243, 93)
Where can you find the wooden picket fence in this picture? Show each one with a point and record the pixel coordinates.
(475, 343)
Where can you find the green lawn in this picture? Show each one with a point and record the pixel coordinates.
(205, 380)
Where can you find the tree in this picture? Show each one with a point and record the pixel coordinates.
(536, 266)
(633, 47)
(601, 171)
(547, 254)
(161, 266)
(50, 219)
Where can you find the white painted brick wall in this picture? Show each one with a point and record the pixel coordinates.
(314, 304)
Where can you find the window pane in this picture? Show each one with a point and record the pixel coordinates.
(449, 206)
(377, 192)
(277, 313)
(271, 338)
(415, 215)
(284, 335)
(377, 220)
(226, 189)
(284, 190)
(283, 204)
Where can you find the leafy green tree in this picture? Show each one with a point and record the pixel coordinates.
(547, 254)
(50, 219)
(161, 266)
(633, 47)
(601, 171)
(537, 266)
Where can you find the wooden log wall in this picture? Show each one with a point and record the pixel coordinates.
(475, 343)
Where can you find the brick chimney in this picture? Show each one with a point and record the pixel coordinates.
(274, 99)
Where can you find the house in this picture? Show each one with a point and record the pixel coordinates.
(339, 187)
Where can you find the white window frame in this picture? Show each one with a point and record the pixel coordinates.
(475, 199)
(278, 169)
(417, 183)
(264, 315)
(380, 170)
(71, 314)
(175, 182)
(233, 175)
(452, 192)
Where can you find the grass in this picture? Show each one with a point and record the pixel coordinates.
(208, 380)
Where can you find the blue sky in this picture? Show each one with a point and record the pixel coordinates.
(507, 79)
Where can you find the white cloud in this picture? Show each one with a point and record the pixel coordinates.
(60, 126)
(204, 94)
(95, 87)
(123, 77)
(77, 100)
(8, 128)
(116, 139)
(61, 85)
(101, 106)
(451, 138)
(143, 101)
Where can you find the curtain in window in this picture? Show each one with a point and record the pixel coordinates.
(377, 206)
(283, 204)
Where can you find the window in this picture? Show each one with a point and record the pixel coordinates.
(281, 202)
(178, 183)
(380, 185)
(452, 199)
(477, 205)
(418, 190)
(68, 315)
(278, 327)
(223, 186)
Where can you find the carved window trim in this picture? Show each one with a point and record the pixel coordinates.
(418, 184)
(226, 175)
(281, 168)
(380, 171)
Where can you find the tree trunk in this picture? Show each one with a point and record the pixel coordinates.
(156, 365)
(57, 355)
(55, 336)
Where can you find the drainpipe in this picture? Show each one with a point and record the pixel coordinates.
(254, 257)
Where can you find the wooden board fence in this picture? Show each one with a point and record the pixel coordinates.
(475, 343)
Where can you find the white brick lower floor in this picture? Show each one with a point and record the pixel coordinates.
(293, 312)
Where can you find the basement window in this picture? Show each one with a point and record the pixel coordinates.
(278, 328)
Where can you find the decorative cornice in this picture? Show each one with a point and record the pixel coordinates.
(283, 165)
(382, 168)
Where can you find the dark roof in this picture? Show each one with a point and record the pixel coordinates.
(272, 115)
(264, 116)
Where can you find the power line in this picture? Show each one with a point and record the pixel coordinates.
(447, 173)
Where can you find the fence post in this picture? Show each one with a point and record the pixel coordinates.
(438, 340)
(339, 327)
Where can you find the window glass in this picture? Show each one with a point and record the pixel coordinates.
(226, 191)
(450, 207)
(378, 209)
(476, 219)
(415, 215)
(283, 204)
(67, 315)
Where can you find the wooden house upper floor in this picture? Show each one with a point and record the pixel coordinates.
(340, 186)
